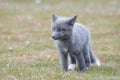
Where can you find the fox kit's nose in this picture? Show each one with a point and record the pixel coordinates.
(53, 37)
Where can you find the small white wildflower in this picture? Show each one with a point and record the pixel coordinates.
(10, 48)
(12, 78)
(38, 1)
(7, 65)
(21, 73)
(9, 37)
(27, 43)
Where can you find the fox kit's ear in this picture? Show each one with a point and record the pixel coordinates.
(72, 20)
(54, 17)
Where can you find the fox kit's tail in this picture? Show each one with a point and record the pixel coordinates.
(94, 59)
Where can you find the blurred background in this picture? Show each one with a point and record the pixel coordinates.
(27, 51)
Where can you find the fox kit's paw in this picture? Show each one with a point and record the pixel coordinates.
(83, 69)
(71, 67)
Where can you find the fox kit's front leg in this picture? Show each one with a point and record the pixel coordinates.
(63, 60)
(86, 54)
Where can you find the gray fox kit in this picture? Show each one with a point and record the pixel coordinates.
(73, 39)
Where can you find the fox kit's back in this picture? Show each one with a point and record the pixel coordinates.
(80, 34)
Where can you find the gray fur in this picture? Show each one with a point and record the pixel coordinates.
(73, 39)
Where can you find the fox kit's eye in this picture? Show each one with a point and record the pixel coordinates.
(63, 29)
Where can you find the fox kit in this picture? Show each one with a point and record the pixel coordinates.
(73, 39)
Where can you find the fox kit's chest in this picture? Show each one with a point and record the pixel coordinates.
(65, 49)
(68, 46)
(64, 46)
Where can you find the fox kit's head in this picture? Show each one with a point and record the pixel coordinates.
(62, 27)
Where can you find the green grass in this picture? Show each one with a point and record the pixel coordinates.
(23, 21)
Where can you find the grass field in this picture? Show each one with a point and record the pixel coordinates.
(27, 51)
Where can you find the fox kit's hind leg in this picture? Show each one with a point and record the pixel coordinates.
(73, 63)
(86, 54)
(81, 62)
